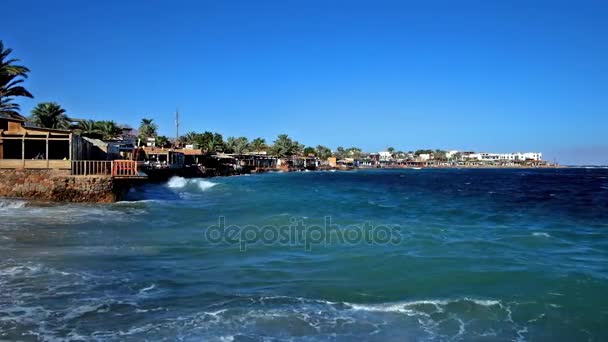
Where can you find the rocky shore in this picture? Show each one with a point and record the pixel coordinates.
(53, 185)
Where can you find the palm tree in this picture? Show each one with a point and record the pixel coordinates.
(147, 129)
(189, 138)
(340, 152)
(216, 144)
(237, 145)
(50, 115)
(354, 152)
(87, 128)
(258, 145)
(11, 75)
(285, 147)
(163, 141)
(108, 129)
(323, 152)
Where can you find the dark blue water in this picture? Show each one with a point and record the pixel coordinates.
(379, 255)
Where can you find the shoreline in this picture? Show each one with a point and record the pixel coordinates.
(41, 186)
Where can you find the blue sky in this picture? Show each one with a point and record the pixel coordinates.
(477, 75)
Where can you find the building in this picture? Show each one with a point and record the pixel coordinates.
(424, 157)
(27, 147)
(385, 155)
(332, 162)
(156, 157)
(23, 146)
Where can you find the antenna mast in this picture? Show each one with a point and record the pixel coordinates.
(176, 125)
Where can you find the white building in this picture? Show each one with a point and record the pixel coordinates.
(450, 154)
(535, 156)
(517, 156)
(424, 156)
(385, 155)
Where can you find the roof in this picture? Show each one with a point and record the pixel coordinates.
(15, 117)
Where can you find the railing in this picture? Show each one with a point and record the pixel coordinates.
(34, 164)
(124, 168)
(114, 168)
(91, 167)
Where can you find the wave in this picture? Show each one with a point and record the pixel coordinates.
(317, 320)
(177, 182)
(258, 316)
(12, 204)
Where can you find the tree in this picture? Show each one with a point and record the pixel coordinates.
(419, 152)
(11, 75)
(258, 145)
(284, 147)
(298, 149)
(310, 151)
(439, 155)
(323, 152)
(50, 115)
(189, 138)
(203, 141)
(87, 128)
(391, 150)
(216, 143)
(353, 152)
(340, 152)
(400, 154)
(237, 145)
(147, 129)
(108, 129)
(162, 141)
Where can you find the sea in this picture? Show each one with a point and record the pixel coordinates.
(365, 255)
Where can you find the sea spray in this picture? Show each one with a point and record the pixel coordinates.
(192, 184)
(12, 204)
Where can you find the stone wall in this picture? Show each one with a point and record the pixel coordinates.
(53, 185)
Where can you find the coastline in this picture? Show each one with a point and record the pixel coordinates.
(50, 186)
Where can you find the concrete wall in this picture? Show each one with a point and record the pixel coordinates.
(53, 185)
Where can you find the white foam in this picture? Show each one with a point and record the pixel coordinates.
(177, 182)
(181, 183)
(204, 184)
(543, 234)
(12, 204)
(147, 289)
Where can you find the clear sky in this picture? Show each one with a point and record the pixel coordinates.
(497, 76)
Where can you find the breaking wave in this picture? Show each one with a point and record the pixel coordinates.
(251, 317)
(177, 182)
(12, 204)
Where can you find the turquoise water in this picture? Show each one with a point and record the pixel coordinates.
(454, 255)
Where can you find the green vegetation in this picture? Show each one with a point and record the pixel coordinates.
(354, 152)
(310, 151)
(147, 129)
(340, 153)
(50, 115)
(208, 141)
(419, 152)
(323, 152)
(11, 76)
(258, 145)
(285, 147)
(237, 145)
(162, 141)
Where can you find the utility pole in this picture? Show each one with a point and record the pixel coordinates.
(176, 125)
